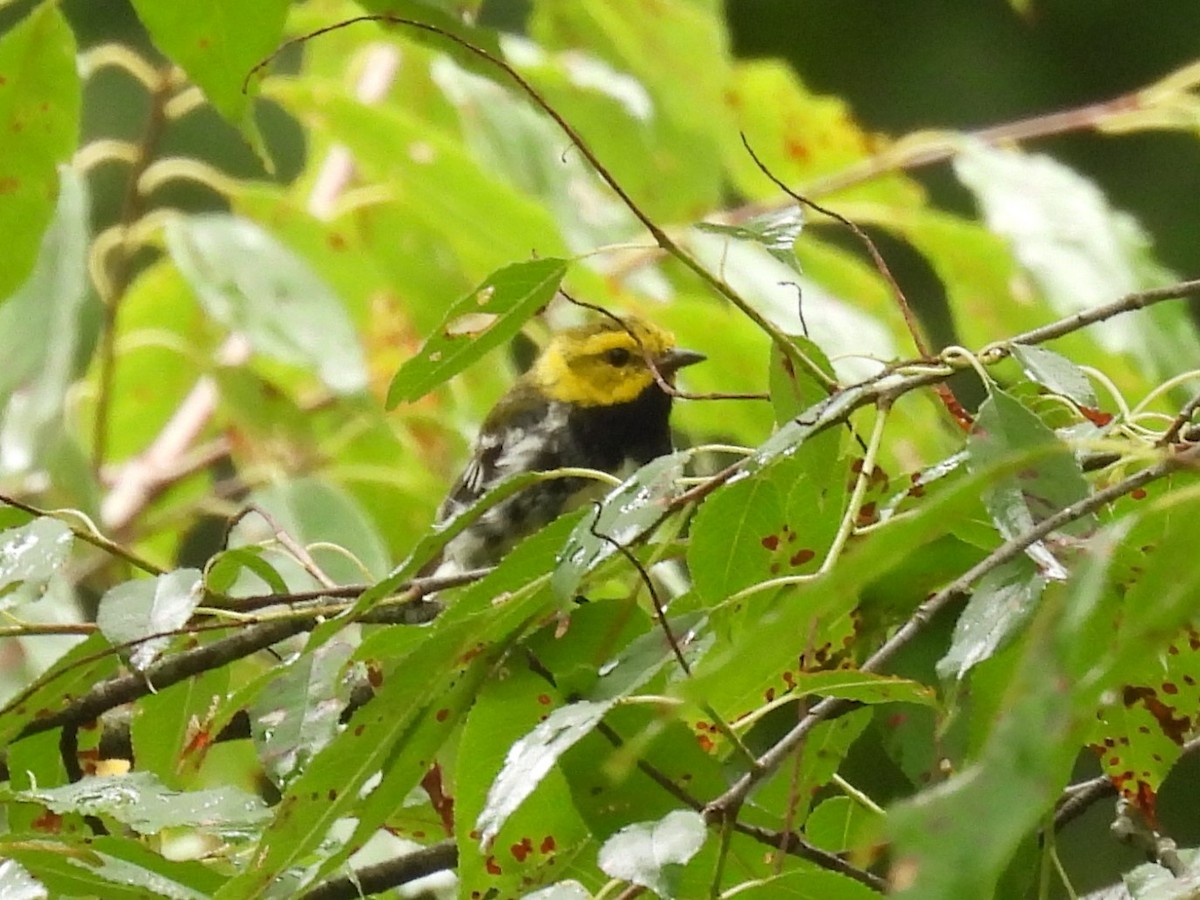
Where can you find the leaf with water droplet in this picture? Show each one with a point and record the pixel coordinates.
(627, 513)
(487, 318)
(29, 557)
(648, 853)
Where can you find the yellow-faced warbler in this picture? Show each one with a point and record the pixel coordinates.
(590, 400)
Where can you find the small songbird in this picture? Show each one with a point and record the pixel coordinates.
(590, 400)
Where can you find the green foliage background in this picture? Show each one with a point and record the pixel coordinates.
(905, 628)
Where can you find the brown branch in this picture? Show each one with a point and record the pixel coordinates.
(388, 874)
(170, 670)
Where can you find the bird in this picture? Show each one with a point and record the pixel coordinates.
(590, 400)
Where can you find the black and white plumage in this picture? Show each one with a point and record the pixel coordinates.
(591, 400)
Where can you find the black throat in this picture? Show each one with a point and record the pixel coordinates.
(638, 430)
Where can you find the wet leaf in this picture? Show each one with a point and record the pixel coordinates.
(487, 318)
(531, 758)
(637, 505)
(646, 853)
(1005, 432)
(1003, 601)
(1055, 373)
(149, 606)
(140, 801)
(775, 232)
(30, 555)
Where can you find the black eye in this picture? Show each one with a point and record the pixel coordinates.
(617, 356)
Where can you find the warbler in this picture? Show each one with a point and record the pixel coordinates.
(590, 400)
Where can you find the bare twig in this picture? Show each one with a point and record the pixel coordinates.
(656, 231)
(388, 874)
(86, 535)
(1180, 422)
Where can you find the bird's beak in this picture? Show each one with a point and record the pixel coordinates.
(676, 358)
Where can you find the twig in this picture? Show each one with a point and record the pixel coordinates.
(881, 265)
(1068, 324)
(656, 231)
(389, 874)
(727, 804)
(173, 669)
(95, 538)
(659, 612)
(1180, 421)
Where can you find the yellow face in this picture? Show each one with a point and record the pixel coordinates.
(602, 364)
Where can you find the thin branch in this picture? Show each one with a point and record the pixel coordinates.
(389, 874)
(1181, 421)
(881, 265)
(728, 803)
(660, 236)
(1068, 324)
(173, 669)
(88, 536)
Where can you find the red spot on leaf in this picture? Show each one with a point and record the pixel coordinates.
(48, 822)
(544, 699)
(1138, 494)
(442, 714)
(548, 844)
(771, 542)
(800, 557)
(522, 850)
(493, 867)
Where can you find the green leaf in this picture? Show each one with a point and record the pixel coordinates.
(841, 823)
(255, 286)
(1003, 601)
(775, 232)
(638, 504)
(140, 801)
(645, 853)
(30, 555)
(487, 318)
(532, 757)
(217, 44)
(864, 687)
(298, 716)
(1005, 431)
(171, 729)
(545, 832)
(795, 390)
(149, 606)
(1056, 373)
(224, 569)
(778, 521)
(40, 102)
(116, 867)
(73, 674)
(40, 331)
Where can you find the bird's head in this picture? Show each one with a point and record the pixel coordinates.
(608, 362)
